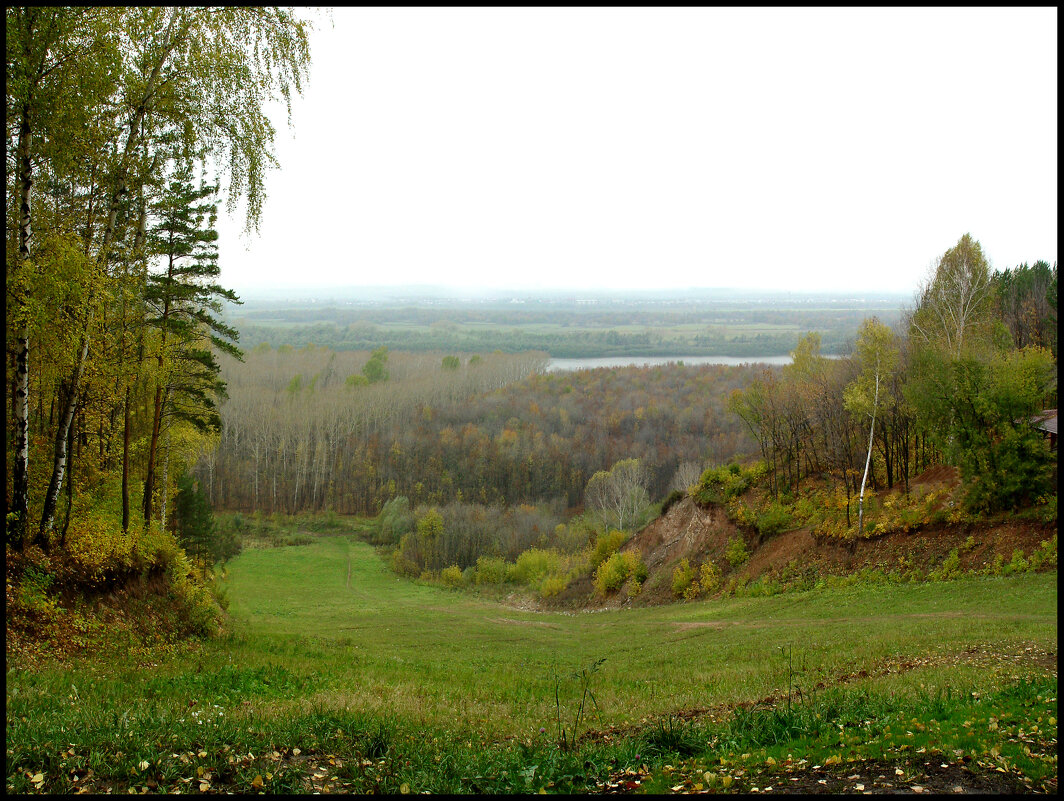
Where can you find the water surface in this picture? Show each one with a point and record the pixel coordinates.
(654, 361)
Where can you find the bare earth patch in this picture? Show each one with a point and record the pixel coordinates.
(512, 622)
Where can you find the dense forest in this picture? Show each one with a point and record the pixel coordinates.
(306, 430)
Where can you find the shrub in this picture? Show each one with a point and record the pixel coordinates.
(98, 545)
(682, 576)
(451, 576)
(612, 573)
(1017, 564)
(763, 587)
(692, 591)
(30, 595)
(552, 585)
(736, 553)
(709, 577)
(1045, 554)
(490, 570)
(773, 520)
(950, 568)
(720, 484)
(394, 521)
(607, 545)
(401, 561)
(997, 567)
(535, 564)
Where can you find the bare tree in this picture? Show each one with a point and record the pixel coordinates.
(619, 493)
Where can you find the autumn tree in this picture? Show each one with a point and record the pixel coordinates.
(99, 102)
(877, 353)
(60, 67)
(954, 303)
(618, 494)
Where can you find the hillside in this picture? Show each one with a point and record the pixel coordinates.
(703, 532)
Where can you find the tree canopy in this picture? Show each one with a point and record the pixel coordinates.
(113, 302)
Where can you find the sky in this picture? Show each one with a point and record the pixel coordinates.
(598, 148)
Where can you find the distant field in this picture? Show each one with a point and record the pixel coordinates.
(633, 324)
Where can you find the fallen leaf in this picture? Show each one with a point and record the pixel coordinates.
(257, 781)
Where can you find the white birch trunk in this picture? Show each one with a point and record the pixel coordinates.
(868, 459)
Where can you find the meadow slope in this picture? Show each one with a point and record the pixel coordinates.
(332, 657)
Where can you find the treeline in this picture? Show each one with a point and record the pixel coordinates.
(303, 432)
(814, 314)
(113, 328)
(960, 380)
(559, 344)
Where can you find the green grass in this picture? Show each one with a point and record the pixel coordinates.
(402, 682)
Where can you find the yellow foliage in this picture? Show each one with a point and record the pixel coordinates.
(99, 545)
(451, 576)
(552, 585)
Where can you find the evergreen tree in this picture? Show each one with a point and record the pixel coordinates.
(194, 521)
(184, 302)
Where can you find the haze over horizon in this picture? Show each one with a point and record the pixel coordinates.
(837, 150)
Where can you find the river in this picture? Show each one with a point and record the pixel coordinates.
(653, 361)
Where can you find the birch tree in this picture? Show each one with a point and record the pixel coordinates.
(877, 354)
(620, 492)
(955, 302)
(58, 67)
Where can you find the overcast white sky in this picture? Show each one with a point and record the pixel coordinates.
(630, 148)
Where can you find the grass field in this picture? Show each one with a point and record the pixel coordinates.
(331, 657)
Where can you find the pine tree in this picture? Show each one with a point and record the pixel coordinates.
(183, 303)
(194, 521)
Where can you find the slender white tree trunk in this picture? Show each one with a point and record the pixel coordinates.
(868, 459)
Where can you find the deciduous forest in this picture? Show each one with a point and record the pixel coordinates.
(305, 430)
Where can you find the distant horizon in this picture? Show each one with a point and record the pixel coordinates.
(495, 291)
